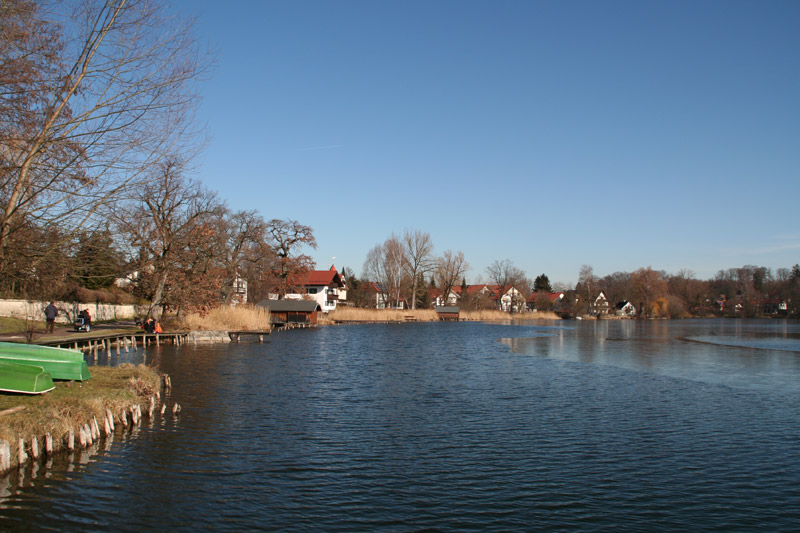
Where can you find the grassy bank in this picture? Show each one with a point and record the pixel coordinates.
(72, 405)
(349, 314)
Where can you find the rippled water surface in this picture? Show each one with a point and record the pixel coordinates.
(616, 425)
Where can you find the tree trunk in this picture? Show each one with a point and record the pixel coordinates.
(157, 305)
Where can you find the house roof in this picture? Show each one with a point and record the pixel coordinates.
(471, 289)
(552, 296)
(291, 306)
(322, 277)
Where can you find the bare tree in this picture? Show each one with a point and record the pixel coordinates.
(384, 265)
(242, 241)
(507, 277)
(450, 270)
(288, 237)
(101, 91)
(649, 286)
(418, 259)
(587, 285)
(167, 221)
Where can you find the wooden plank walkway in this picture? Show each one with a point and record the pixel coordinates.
(119, 341)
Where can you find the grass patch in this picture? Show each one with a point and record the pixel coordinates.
(75, 403)
(229, 318)
(12, 325)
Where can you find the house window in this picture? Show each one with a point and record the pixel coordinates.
(312, 291)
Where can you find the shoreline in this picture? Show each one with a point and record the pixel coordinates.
(77, 415)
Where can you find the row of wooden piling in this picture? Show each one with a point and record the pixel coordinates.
(84, 435)
(126, 342)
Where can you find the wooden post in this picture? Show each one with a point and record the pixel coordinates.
(48, 444)
(21, 455)
(133, 341)
(157, 341)
(35, 448)
(5, 456)
(71, 440)
(110, 418)
(118, 341)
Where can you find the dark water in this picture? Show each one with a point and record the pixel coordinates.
(569, 426)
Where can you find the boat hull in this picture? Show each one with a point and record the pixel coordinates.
(60, 363)
(24, 379)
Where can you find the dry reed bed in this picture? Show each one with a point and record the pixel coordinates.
(252, 318)
(76, 414)
(349, 314)
(230, 318)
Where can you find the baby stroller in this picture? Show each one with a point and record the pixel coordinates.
(83, 322)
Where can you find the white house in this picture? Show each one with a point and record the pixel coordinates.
(381, 296)
(511, 298)
(326, 287)
(600, 304)
(239, 295)
(625, 308)
(452, 298)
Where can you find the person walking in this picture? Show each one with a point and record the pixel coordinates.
(50, 314)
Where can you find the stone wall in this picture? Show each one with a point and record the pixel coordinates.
(208, 336)
(67, 311)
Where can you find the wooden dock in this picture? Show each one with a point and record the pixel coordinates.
(119, 341)
(236, 336)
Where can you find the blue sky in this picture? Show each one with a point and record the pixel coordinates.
(555, 134)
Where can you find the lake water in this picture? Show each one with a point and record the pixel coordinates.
(568, 426)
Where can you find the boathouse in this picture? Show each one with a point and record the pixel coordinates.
(292, 312)
(448, 312)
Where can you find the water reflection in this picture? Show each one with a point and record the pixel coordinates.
(745, 354)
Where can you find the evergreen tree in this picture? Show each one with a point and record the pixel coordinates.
(97, 261)
(542, 284)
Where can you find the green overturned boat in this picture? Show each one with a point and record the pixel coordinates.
(60, 363)
(25, 379)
